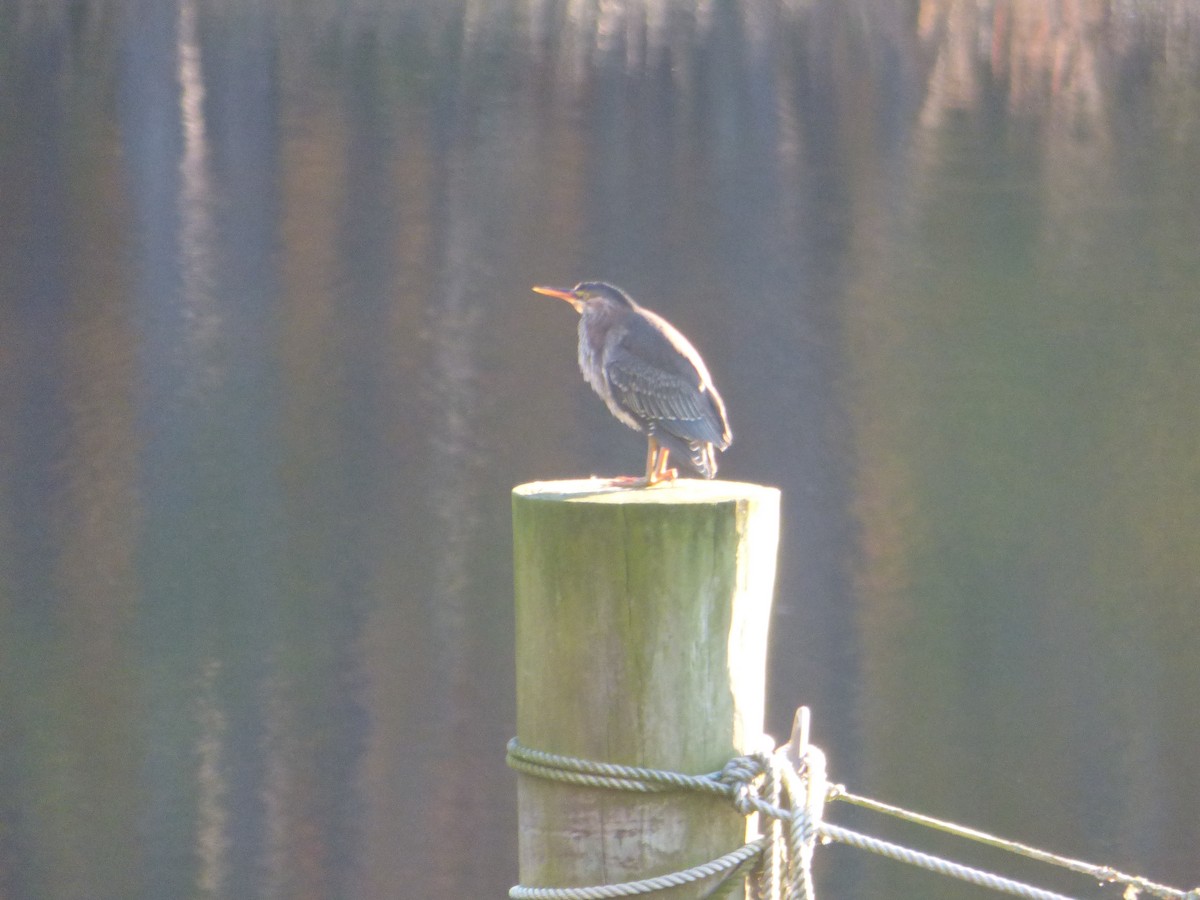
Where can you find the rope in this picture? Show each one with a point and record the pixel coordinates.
(789, 789)
(752, 783)
(726, 865)
(937, 864)
(734, 781)
(805, 826)
(1105, 874)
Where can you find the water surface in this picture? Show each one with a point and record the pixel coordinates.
(270, 367)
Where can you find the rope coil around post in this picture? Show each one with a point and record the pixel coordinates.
(789, 788)
(726, 866)
(764, 783)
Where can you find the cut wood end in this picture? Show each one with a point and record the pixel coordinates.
(681, 490)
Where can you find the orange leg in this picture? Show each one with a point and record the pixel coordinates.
(656, 464)
(640, 480)
(656, 469)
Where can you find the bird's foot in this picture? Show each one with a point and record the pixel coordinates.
(637, 481)
(662, 475)
(657, 466)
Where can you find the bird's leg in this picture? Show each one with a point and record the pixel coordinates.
(640, 480)
(651, 458)
(656, 466)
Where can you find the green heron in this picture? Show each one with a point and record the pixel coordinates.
(651, 378)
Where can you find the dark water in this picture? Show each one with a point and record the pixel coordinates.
(270, 365)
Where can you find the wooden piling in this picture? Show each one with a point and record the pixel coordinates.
(642, 622)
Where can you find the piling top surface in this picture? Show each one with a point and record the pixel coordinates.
(681, 490)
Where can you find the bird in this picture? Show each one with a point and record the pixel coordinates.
(651, 378)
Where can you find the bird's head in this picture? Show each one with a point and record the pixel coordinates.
(590, 294)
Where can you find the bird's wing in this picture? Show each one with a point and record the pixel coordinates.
(669, 400)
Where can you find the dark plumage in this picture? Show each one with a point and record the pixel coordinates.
(651, 378)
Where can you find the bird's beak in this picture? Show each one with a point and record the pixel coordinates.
(569, 296)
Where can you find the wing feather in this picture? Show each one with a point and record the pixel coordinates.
(668, 400)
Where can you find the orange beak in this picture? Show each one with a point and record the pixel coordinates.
(569, 296)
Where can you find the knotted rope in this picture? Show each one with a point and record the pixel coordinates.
(765, 783)
(788, 788)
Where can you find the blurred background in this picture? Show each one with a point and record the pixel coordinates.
(270, 366)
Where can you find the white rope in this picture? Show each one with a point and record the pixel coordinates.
(725, 865)
(807, 787)
(937, 864)
(753, 783)
(1105, 874)
(789, 789)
